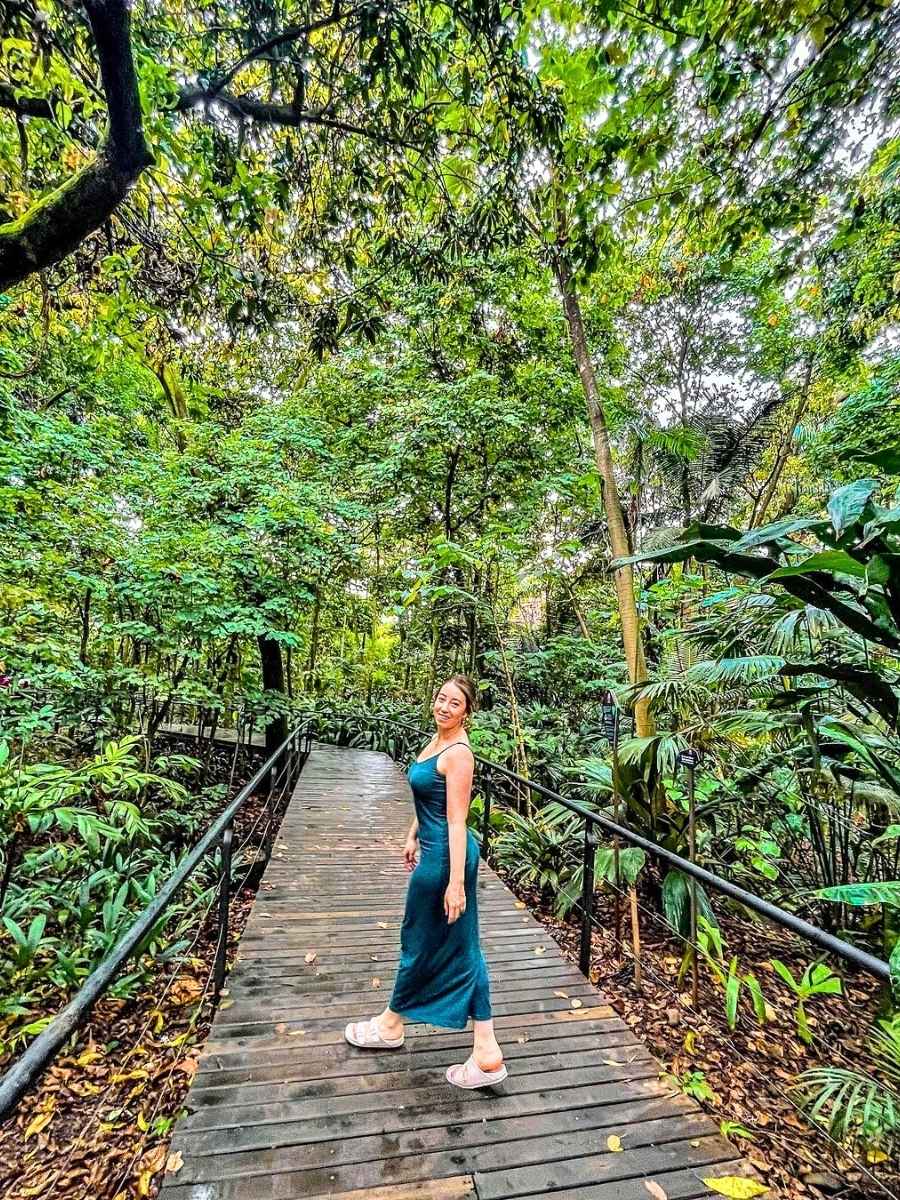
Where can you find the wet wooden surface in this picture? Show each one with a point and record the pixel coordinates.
(282, 1107)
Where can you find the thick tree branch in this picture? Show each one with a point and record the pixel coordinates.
(280, 114)
(58, 223)
(25, 106)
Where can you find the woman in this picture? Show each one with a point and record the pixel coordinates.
(442, 978)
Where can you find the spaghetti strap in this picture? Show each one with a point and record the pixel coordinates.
(450, 747)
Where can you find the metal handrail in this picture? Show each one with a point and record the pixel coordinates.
(47, 1044)
(778, 916)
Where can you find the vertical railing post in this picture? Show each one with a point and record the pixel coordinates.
(587, 897)
(224, 902)
(692, 835)
(486, 816)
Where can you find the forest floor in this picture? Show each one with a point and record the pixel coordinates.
(746, 1077)
(98, 1127)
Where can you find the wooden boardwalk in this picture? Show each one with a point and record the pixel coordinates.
(282, 1107)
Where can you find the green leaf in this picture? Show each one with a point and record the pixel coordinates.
(861, 895)
(847, 504)
(894, 965)
(838, 561)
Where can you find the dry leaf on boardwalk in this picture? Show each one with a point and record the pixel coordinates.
(281, 1027)
(576, 1003)
(382, 924)
(655, 1190)
(562, 995)
(174, 1163)
(311, 957)
(736, 1187)
(614, 1143)
(519, 904)
(540, 949)
(376, 982)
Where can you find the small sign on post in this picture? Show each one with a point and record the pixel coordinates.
(688, 758)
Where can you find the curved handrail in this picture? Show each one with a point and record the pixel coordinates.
(46, 1045)
(779, 916)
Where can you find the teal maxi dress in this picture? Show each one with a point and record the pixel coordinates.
(442, 977)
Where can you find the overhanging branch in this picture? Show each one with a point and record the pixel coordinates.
(58, 223)
(286, 115)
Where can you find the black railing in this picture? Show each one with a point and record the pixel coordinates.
(276, 779)
(860, 959)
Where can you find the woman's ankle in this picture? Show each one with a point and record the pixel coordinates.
(489, 1057)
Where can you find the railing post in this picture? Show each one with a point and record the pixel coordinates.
(587, 897)
(224, 901)
(486, 816)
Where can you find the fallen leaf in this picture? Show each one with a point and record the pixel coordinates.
(540, 949)
(614, 1143)
(876, 1156)
(655, 1190)
(39, 1123)
(226, 1003)
(376, 982)
(695, 1143)
(143, 1187)
(185, 990)
(174, 1163)
(522, 1039)
(188, 1066)
(563, 995)
(576, 1003)
(281, 1027)
(519, 904)
(311, 957)
(736, 1187)
(295, 1032)
(154, 1160)
(612, 1062)
(382, 924)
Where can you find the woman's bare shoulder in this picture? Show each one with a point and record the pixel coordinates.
(458, 757)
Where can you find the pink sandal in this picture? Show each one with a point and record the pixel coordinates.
(470, 1075)
(367, 1035)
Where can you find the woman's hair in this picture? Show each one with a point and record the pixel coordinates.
(468, 689)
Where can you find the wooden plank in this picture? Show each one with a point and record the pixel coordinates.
(643, 1161)
(460, 1188)
(677, 1185)
(592, 1123)
(282, 1108)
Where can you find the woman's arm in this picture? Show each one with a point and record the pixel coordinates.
(411, 846)
(459, 768)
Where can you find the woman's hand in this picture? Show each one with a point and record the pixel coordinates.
(454, 901)
(410, 850)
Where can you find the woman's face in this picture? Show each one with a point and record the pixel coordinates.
(449, 708)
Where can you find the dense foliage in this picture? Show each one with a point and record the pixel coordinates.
(345, 348)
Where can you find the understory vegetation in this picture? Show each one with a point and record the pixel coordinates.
(345, 349)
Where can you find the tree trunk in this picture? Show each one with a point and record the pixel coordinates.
(623, 577)
(86, 628)
(313, 643)
(57, 224)
(767, 495)
(273, 681)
